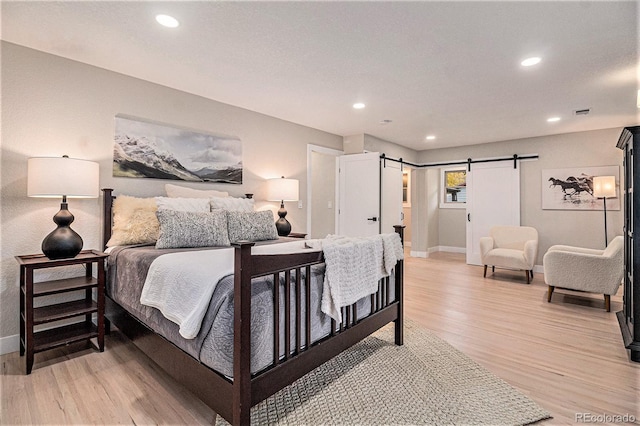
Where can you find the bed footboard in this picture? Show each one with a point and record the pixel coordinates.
(249, 389)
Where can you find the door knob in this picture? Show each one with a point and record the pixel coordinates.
(373, 219)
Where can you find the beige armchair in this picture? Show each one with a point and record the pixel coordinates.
(594, 271)
(510, 247)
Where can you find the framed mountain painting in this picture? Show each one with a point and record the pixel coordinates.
(143, 149)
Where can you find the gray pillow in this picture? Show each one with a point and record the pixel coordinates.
(192, 229)
(251, 226)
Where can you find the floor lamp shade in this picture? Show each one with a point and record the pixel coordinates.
(604, 187)
(281, 189)
(53, 177)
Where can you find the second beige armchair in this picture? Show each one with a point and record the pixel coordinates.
(510, 247)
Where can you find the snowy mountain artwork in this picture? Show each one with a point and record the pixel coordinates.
(148, 150)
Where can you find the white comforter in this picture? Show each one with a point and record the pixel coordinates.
(180, 285)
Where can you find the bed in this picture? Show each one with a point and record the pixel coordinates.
(221, 369)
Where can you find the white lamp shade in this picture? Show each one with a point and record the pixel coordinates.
(604, 186)
(281, 189)
(53, 177)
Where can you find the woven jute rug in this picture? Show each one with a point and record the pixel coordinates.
(426, 381)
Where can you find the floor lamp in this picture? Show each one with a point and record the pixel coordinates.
(603, 187)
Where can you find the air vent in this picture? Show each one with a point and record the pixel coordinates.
(584, 111)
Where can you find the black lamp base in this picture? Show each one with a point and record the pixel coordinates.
(282, 225)
(63, 242)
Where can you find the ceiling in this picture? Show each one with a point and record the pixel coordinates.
(449, 69)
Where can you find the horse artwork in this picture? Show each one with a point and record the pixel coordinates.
(572, 189)
(577, 185)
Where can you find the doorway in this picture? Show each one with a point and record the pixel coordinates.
(321, 191)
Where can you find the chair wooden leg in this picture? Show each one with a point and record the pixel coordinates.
(531, 274)
(485, 271)
(549, 293)
(526, 272)
(493, 269)
(607, 302)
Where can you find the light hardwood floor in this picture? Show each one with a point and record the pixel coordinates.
(566, 355)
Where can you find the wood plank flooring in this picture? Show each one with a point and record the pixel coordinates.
(566, 355)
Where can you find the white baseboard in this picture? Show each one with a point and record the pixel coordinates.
(9, 344)
(448, 249)
(539, 269)
(423, 254)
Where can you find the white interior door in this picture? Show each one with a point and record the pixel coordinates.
(493, 198)
(359, 194)
(391, 204)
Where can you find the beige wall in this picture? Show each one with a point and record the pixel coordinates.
(53, 106)
(407, 223)
(390, 149)
(579, 228)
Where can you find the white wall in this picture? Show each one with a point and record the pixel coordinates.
(582, 149)
(53, 106)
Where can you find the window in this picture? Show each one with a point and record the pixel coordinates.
(453, 188)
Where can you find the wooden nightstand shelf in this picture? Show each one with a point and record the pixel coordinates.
(37, 341)
(297, 235)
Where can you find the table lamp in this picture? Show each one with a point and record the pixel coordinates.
(53, 177)
(603, 187)
(281, 189)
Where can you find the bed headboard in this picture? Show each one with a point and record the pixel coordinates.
(107, 215)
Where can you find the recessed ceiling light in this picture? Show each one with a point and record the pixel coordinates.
(430, 137)
(358, 105)
(531, 61)
(553, 119)
(167, 21)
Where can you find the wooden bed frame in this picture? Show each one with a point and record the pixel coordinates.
(233, 399)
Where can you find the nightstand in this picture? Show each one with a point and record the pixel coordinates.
(37, 341)
(297, 235)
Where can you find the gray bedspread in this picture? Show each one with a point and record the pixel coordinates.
(213, 346)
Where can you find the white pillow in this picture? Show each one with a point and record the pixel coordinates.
(183, 204)
(175, 191)
(232, 204)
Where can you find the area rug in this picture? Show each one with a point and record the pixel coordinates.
(424, 382)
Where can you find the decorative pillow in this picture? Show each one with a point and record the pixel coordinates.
(232, 204)
(183, 204)
(175, 191)
(192, 229)
(134, 221)
(251, 226)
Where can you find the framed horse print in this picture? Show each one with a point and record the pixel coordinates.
(572, 188)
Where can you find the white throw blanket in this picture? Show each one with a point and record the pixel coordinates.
(353, 268)
(181, 285)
